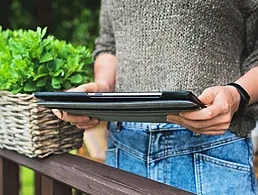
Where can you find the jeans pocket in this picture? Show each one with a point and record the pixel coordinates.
(112, 157)
(215, 176)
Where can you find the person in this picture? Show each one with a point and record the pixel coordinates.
(200, 46)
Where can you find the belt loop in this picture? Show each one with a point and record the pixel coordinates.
(108, 124)
(119, 126)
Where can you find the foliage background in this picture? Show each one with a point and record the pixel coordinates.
(75, 21)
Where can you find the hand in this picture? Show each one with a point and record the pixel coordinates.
(222, 102)
(83, 122)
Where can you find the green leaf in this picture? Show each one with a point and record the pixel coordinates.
(15, 91)
(46, 42)
(41, 82)
(44, 31)
(58, 73)
(13, 73)
(86, 79)
(76, 79)
(67, 85)
(59, 64)
(46, 58)
(42, 69)
(51, 66)
(2, 47)
(29, 87)
(38, 31)
(56, 86)
(39, 76)
(56, 81)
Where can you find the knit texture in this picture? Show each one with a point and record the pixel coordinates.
(181, 45)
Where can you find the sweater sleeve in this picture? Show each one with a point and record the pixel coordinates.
(251, 60)
(105, 43)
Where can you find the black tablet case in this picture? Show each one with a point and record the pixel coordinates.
(132, 111)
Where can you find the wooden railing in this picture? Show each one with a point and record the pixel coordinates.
(59, 174)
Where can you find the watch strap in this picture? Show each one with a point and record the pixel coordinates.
(244, 99)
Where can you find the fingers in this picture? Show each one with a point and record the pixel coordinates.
(89, 87)
(88, 123)
(214, 126)
(197, 124)
(217, 132)
(203, 114)
(85, 126)
(71, 118)
(217, 108)
(215, 119)
(208, 95)
(222, 127)
(58, 113)
(82, 122)
(214, 130)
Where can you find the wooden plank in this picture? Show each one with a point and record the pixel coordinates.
(9, 177)
(53, 187)
(37, 183)
(92, 177)
(62, 189)
(47, 186)
(77, 192)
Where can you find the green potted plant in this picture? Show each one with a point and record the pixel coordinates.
(30, 62)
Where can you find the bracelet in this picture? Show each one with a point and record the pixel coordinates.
(244, 99)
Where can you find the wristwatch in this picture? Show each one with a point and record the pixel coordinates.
(244, 99)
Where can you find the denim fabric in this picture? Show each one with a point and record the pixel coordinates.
(171, 154)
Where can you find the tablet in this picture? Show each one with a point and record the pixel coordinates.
(122, 107)
(133, 111)
(118, 97)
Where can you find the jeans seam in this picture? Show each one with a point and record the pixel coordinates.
(195, 149)
(122, 147)
(168, 129)
(148, 127)
(132, 128)
(198, 177)
(223, 163)
(154, 130)
(116, 151)
(148, 155)
(166, 159)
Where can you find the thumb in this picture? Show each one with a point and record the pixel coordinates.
(89, 87)
(208, 95)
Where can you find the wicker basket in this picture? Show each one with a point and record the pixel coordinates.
(33, 130)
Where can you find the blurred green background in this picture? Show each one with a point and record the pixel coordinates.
(75, 21)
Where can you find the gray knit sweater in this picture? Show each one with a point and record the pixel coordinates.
(181, 45)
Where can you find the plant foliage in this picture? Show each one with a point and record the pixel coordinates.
(74, 21)
(30, 62)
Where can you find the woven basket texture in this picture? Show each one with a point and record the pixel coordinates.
(33, 130)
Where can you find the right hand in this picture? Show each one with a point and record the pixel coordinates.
(83, 122)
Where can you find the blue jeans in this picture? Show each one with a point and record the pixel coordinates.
(171, 154)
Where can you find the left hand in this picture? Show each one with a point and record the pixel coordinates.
(222, 102)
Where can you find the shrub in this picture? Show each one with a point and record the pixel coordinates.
(30, 61)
